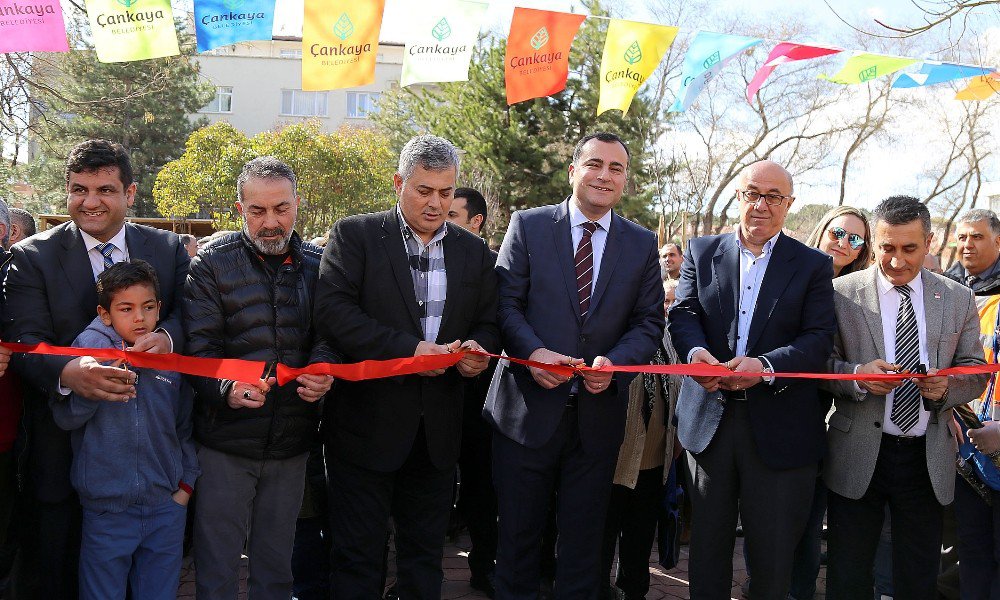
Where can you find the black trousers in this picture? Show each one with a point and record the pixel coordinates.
(525, 479)
(477, 501)
(978, 526)
(901, 481)
(417, 497)
(49, 542)
(631, 524)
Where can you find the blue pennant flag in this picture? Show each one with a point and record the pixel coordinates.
(223, 22)
(932, 72)
(708, 54)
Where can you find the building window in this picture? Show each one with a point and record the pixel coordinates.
(222, 103)
(360, 105)
(291, 53)
(303, 104)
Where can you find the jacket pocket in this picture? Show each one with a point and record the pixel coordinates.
(840, 421)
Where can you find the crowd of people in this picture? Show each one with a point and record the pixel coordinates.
(104, 465)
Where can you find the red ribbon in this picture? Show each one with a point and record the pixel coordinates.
(249, 371)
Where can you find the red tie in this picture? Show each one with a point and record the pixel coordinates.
(584, 260)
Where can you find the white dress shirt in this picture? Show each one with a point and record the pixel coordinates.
(888, 302)
(597, 240)
(119, 254)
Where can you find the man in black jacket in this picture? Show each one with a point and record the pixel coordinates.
(396, 284)
(977, 235)
(249, 295)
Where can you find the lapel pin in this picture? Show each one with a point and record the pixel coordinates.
(937, 295)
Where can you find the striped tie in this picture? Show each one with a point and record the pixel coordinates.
(106, 250)
(584, 261)
(906, 400)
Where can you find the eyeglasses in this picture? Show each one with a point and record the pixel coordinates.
(753, 197)
(838, 233)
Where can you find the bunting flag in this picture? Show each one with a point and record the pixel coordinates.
(933, 73)
(340, 43)
(980, 88)
(223, 22)
(442, 41)
(632, 51)
(708, 54)
(864, 67)
(127, 30)
(537, 60)
(35, 26)
(784, 52)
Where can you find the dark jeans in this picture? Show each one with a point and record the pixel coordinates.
(901, 481)
(978, 526)
(311, 559)
(631, 525)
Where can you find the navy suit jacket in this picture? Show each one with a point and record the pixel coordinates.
(792, 327)
(539, 308)
(50, 297)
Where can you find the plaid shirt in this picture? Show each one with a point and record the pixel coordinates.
(430, 279)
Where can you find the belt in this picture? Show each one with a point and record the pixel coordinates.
(903, 440)
(571, 400)
(738, 395)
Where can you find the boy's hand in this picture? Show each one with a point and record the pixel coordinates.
(181, 497)
(156, 342)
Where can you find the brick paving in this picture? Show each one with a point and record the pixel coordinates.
(664, 584)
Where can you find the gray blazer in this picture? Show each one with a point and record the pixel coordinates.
(855, 432)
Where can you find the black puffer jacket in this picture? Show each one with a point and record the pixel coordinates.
(234, 307)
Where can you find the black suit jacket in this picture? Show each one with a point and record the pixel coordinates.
(366, 309)
(49, 296)
(792, 326)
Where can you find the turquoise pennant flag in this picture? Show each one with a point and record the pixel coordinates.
(223, 22)
(708, 54)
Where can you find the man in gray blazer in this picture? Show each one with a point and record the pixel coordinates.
(888, 441)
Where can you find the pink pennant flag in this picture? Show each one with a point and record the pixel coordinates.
(783, 53)
(32, 26)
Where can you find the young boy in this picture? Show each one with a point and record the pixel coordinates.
(134, 463)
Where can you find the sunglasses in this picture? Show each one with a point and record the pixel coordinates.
(838, 233)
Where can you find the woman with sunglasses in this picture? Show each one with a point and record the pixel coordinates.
(844, 234)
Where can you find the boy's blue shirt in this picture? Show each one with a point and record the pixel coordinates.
(129, 453)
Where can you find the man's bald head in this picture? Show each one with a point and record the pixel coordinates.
(767, 167)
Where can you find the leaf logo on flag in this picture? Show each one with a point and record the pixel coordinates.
(343, 28)
(540, 39)
(441, 30)
(633, 54)
(869, 73)
(233, 4)
(711, 60)
(128, 3)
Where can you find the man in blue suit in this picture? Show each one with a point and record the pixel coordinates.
(578, 284)
(757, 301)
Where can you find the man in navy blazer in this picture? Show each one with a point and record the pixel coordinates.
(755, 300)
(578, 284)
(50, 297)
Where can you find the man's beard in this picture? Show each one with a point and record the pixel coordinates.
(269, 247)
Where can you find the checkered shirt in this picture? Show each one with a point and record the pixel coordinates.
(430, 279)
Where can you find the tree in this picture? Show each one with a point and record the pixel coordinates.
(339, 174)
(527, 147)
(143, 105)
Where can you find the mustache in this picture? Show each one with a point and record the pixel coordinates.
(273, 232)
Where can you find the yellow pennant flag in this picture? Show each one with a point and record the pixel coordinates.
(632, 52)
(980, 88)
(340, 43)
(127, 30)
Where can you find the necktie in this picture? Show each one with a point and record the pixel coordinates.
(906, 400)
(584, 260)
(106, 250)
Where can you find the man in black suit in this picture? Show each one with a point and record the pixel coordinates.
(396, 284)
(578, 284)
(755, 300)
(50, 297)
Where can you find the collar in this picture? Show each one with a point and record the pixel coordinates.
(577, 218)
(989, 272)
(408, 231)
(764, 251)
(90, 242)
(884, 285)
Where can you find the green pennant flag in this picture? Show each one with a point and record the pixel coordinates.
(865, 67)
(127, 30)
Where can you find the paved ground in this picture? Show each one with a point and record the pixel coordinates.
(665, 584)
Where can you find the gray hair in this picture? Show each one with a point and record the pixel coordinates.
(978, 215)
(265, 167)
(430, 152)
(5, 220)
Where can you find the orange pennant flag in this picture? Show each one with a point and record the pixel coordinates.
(537, 60)
(980, 88)
(340, 43)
